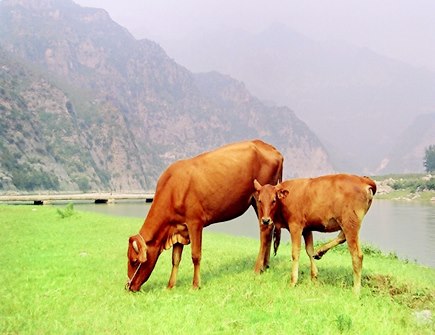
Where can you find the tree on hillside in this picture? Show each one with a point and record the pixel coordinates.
(429, 158)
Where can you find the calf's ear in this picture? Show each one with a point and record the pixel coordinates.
(282, 193)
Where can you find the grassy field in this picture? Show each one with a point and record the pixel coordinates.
(66, 275)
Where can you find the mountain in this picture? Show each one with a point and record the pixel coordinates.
(49, 142)
(408, 153)
(85, 106)
(357, 101)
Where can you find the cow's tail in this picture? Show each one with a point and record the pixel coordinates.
(276, 239)
(276, 230)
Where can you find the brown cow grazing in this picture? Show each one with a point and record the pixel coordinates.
(191, 194)
(326, 204)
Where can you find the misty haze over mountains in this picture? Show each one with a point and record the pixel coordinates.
(358, 102)
(359, 73)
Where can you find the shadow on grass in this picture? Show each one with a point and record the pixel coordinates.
(339, 276)
(280, 268)
(331, 275)
(209, 273)
(229, 269)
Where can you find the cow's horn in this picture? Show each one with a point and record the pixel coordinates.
(135, 247)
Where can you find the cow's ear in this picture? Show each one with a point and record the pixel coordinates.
(257, 185)
(282, 193)
(138, 248)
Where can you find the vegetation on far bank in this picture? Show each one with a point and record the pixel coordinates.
(65, 274)
(416, 187)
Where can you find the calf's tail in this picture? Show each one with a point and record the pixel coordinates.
(372, 185)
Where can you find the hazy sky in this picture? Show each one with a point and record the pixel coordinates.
(401, 29)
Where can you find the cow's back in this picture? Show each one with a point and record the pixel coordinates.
(219, 184)
(270, 159)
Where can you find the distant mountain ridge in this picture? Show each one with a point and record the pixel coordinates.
(85, 106)
(358, 102)
(407, 155)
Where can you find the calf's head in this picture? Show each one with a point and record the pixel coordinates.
(141, 262)
(267, 198)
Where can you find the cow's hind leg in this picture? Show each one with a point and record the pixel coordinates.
(177, 250)
(308, 237)
(323, 249)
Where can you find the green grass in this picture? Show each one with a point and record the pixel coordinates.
(67, 276)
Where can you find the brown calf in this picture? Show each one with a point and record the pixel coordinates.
(326, 204)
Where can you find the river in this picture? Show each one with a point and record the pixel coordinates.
(405, 228)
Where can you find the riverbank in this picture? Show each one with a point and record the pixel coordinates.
(407, 187)
(67, 275)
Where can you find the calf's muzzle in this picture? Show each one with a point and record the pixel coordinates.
(266, 220)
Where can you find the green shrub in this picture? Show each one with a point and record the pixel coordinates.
(414, 184)
(430, 184)
(429, 158)
(67, 212)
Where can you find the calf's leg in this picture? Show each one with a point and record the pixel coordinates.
(331, 244)
(296, 234)
(352, 237)
(264, 252)
(177, 250)
(268, 247)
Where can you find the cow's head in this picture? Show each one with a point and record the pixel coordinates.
(141, 262)
(267, 197)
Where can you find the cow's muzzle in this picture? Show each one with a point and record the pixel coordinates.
(130, 280)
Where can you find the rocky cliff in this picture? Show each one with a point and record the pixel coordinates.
(85, 106)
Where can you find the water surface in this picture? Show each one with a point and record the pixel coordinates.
(405, 228)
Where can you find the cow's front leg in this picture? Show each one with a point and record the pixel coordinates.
(308, 237)
(296, 234)
(177, 251)
(195, 233)
(265, 243)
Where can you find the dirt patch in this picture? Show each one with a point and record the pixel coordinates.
(405, 294)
